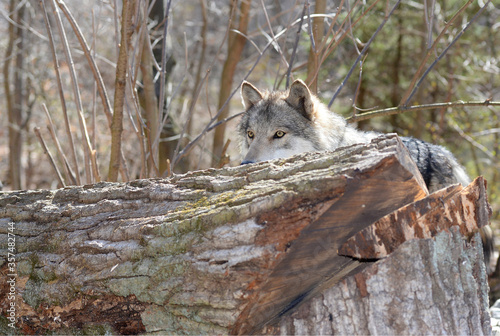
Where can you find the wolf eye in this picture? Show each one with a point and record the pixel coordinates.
(250, 134)
(279, 134)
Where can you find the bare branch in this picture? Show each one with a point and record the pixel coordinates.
(161, 100)
(408, 96)
(69, 134)
(401, 109)
(67, 168)
(87, 147)
(297, 37)
(365, 49)
(51, 158)
(474, 143)
(91, 60)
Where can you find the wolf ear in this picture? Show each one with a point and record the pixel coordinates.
(300, 98)
(250, 95)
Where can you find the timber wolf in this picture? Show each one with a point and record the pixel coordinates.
(280, 124)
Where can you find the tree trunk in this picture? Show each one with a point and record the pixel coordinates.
(15, 98)
(149, 103)
(318, 31)
(250, 249)
(235, 44)
(127, 30)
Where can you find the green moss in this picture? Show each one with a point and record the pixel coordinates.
(24, 268)
(126, 286)
(39, 274)
(32, 292)
(34, 260)
(137, 255)
(5, 329)
(54, 244)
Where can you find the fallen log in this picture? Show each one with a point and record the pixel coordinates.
(236, 250)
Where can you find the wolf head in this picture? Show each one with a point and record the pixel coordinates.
(280, 124)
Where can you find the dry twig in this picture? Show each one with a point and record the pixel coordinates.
(51, 158)
(401, 109)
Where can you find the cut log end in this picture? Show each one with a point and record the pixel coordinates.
(466, 208)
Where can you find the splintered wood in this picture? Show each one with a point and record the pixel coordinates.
(466, 208)
(282, 247)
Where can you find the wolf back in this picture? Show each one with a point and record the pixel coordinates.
(280, 124)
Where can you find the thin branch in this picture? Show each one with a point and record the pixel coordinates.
(61, 95)
(87, 147)
(474, 143)
(117, 29)
(334, 41)
(137, 130)
(247, 38)
(430, 23)
(161, 100)
(149, 100)
(93, 124)
(410, 96)
(51, 158)
(358, 87)
(411, 89)
(99, 81)
(349, 28)
(310, 26)
(332, 24)
(297, 38)
(487, 132)
(272, 37)
(223, 121)
(69, 173)
(90, 59)
(365, 49)
(401, 109)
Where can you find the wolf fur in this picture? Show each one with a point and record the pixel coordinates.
(280, 124)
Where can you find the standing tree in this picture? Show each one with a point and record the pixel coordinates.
(314, 53)
(15, 98)
(159, 125)
(235, 44)
(120, 85)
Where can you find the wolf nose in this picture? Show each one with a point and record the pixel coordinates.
(244, 162)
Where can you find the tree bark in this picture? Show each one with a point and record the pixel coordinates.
(149, 102)
(235, 45)
(249, 249)
(15, 98)
(318, 31)
(127, 30)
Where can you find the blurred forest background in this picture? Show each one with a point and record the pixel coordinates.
(110, 90)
